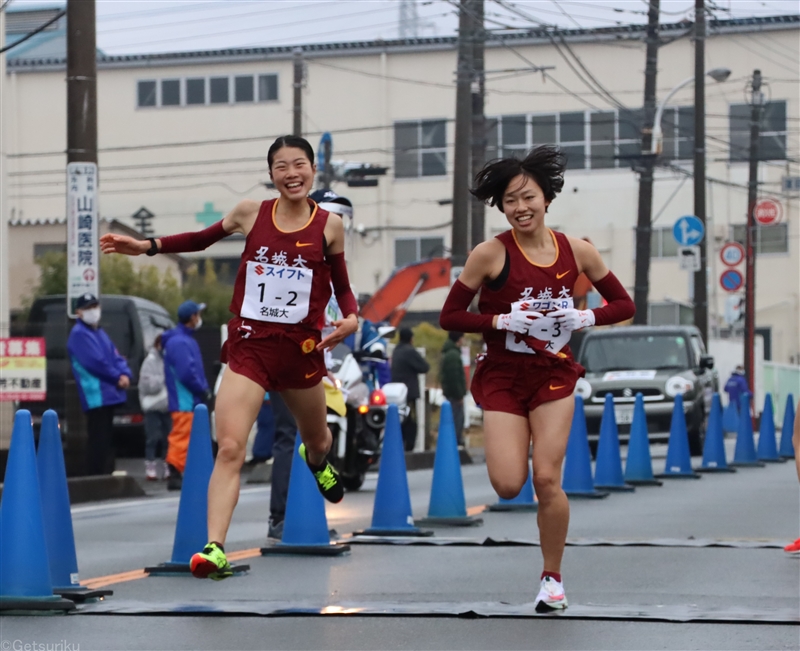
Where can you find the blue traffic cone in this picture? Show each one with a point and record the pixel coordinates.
(577, 480)
(730, 417)
(447, 505)
(639, 464)
(767, 445)
(744, 453)
(679, 461)
(25, 582)
(391, 513)
(714, 446)
(786, 449)
(608, 469)
(191, 530)
(525, 501)
(305, 526)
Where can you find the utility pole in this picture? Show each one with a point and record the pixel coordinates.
(297, 124)
(81, 148)
(700, 276)
(756, 105)
(644, 226)
(463, 136)
(478, 208)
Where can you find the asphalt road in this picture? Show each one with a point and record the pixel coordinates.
(408, 597)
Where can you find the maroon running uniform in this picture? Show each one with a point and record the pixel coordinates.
(282, 289)
(520, 372)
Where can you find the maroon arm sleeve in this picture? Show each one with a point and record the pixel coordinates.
(456, 318)
(193, 241)
(620, 306)
(341, 285)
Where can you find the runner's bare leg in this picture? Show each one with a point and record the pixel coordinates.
(507, 441)
(309, 411)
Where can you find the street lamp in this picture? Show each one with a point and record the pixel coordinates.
(717, 74)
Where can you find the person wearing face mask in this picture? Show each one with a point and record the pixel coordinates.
(102, 376)
(187, 386)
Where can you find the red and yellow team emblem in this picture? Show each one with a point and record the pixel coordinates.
(308, 345)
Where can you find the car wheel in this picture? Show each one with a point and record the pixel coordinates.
(353, 482)
(697, 432)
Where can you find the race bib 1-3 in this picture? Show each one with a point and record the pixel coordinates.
(545, 329)
(275, 293)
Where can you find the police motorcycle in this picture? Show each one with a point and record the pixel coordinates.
(357, 404)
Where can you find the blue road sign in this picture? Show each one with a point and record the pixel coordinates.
(731, 280)
(688, 231)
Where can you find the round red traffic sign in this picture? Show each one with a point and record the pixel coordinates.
(732, 253)
(768, 212)
(731, 280)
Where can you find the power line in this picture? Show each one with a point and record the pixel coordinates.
(29, 35)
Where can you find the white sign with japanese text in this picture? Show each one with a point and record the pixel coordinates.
(83, 264)
(23, 369)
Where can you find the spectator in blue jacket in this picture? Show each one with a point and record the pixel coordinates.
(187, 386)
(102, 376)
(736, 386)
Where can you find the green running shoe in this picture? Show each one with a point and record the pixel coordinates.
(211, 563)
(327, 478)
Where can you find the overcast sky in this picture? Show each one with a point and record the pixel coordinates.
(147, 26)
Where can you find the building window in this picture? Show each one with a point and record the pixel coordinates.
(219, 90)
(196, 91)
(603, 139)
(772, 136)
(420, 148)
(767, 239)
(267, 88)
(43, 249)
(414, 249)
(243, 89)
(677, 125)
(146, 91)
(662, 243)
(170, 92)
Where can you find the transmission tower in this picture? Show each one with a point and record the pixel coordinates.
(409, 19)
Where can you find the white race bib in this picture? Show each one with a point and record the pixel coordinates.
(275, 293)
(544, 329)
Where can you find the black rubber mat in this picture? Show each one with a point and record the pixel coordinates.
(622, 612)
(571, 542)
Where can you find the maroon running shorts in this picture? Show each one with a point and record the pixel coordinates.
(519, 384)
(276, 360)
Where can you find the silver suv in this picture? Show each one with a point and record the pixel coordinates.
(660, 362)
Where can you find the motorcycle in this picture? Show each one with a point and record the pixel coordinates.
(357, 407)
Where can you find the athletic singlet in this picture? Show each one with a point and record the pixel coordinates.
(283, 277)
(544, 287)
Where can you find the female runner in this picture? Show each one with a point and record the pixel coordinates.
(525, 381)
(293, 252)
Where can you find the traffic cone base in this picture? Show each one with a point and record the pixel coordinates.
(183, 569)
(283, 549)
(506, 507)
(447, 506)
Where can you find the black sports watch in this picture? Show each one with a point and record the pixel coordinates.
(153, 246)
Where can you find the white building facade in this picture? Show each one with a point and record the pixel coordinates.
(186, 135)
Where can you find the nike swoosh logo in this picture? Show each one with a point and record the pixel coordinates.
(552, 388)
(298, 244)
(308, 375)
(560, 276)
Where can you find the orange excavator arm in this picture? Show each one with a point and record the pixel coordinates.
(391, 302)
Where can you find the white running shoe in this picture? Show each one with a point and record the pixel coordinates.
(551, 596)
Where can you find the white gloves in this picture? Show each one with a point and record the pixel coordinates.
(518, 320)
(571, 319)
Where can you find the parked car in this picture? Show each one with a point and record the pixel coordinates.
(660, 362)
(131, 322)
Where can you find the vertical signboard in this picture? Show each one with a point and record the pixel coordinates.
(83, 264)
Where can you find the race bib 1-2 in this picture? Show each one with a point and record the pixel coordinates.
(275, 293)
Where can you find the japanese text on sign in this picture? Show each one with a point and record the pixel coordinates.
(23, 369)
(82, 252)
